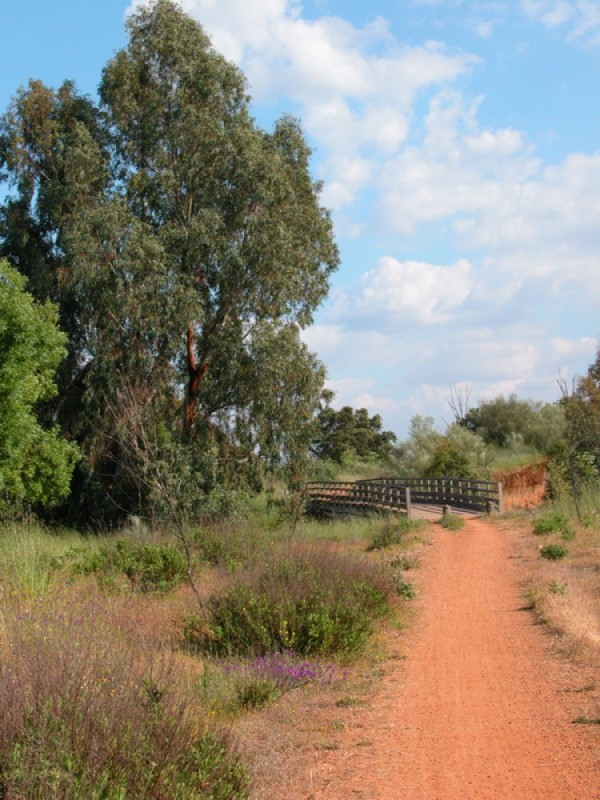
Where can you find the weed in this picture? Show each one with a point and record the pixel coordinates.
(309, 601)
(233, 545)
(256, 693)
(554, 522)
(351, 702)
(558, 588)
(553, 551)
(405, 563)
(583, 720)
(86, 717)
(405, 589)
(30, 556)
(147, 567)
(452, 522)
(392, 533)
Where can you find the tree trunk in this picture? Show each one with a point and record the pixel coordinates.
(195, 374)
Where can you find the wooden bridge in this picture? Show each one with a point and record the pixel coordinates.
(415, 497)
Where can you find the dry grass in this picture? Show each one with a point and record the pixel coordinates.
(89, 663)
(565, 593)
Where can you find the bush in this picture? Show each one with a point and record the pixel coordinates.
(392, 533)
(148, 567)
(452, 522)
(231, 545)
(405, 589)
(310, 601)
(83, 717)
(256, 692)
(553, 552)
(554, 522)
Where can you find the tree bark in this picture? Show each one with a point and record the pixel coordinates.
(195, 374)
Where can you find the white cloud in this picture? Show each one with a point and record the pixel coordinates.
(550, 12)
(399, 292)
(342, 347)
(354, 86)
(565, 349)
(521, 236)
(356, 393)
(458, 169)
(581, 16)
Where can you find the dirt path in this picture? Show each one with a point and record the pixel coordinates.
(479, 709)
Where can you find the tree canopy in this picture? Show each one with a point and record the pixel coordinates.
(506, 420)
(35, 463)
(185, 248)
(351, 432)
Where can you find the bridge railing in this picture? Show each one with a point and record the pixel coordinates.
(333, 498)
(397, 494)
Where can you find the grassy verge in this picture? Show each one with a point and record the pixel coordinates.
(564, 559)
(106, 699)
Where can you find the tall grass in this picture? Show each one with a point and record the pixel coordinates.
(100, 701)
(308, 599)
(84, 715)
(585, 510)
(29, 553)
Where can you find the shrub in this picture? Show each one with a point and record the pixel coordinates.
(148, 567)
(231, 545)
(405, 589)
(554, 587)
(309, 601)
(256, 692)
(83, 717)
(553, 551)
(392, 533)
(452, 522)
(405, 563)
(554, 522)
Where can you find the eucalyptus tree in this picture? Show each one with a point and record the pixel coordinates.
(185, 246)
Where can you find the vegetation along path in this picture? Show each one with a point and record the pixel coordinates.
(480, 707)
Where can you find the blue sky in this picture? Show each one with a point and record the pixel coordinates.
(459, 146)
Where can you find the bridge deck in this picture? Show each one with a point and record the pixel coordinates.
(422, 511)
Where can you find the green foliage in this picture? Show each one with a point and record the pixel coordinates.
(558, 588)
(351, 432)
(420, 447)
(554, 522)
(457, 453)
(31, 555)
(452, 522)
(230, 545)
(256, 692)
(553, 551)
(35, 462)
(196, 251)
(45, 762)
(313, 603)
(447, 461)
(405, 589)
(147, 567)
(508, 422)
(405, 562)
(86, 719)
(392, 533)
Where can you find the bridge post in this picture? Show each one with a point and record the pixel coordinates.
(408, 503)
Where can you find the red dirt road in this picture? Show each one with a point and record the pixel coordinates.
(480, 709)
